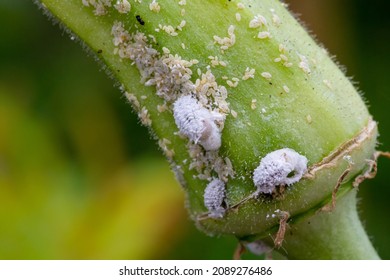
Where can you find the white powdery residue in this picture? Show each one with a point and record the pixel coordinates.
(215, 61)
(169, 29)
(240, 6)
(266, 75)
(264, 35)
(232, 84)
(172, 77)
(199, 161)
(275, 169)
(309, 119)
(208, 162)
(166, 50)
(181, 25)
(226, 42)
(209, 92)
(249, 74)
(122, 6)
(328, 84)
(224, 168)
(154, 40)
(194, 61)
(214, 196)
(228, 168)
(282, 48)
(304, 64)
(145, 117)
(275, 18)
(169, 73)
(283, 57)
(162, 108)
(99, 5)
(197, 123)
(258, 247)
(202, 117)
(121, 36)
(133, 100)
(154, 6)
(182, 2)
(222, 63)
(257, 21)
(253, 104)
(164, 143)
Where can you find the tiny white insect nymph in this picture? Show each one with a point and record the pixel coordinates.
(214, 196)
(280, 167)
(197, 122)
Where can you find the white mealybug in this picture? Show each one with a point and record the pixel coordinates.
(280, 167)
(197, 122)
(123, 6)
(214, 196)
(258, 247)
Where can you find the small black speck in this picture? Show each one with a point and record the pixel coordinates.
(270, 83)
(140, 20)
(99, 51)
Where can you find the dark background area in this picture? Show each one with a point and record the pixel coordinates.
(76, 166)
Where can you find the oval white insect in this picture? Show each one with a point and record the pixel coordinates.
(258, 247)
(123, 6)
(197, 122)
(214, 196)
(280, 167)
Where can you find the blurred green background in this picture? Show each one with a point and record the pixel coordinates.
(81, 179)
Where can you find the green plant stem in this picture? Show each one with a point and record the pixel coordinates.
(329, 235)
(296, 98)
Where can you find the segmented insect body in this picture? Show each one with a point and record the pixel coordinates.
(197, 122)
(280, 167)
(214, 196)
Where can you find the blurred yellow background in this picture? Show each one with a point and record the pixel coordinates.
(81, 179)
